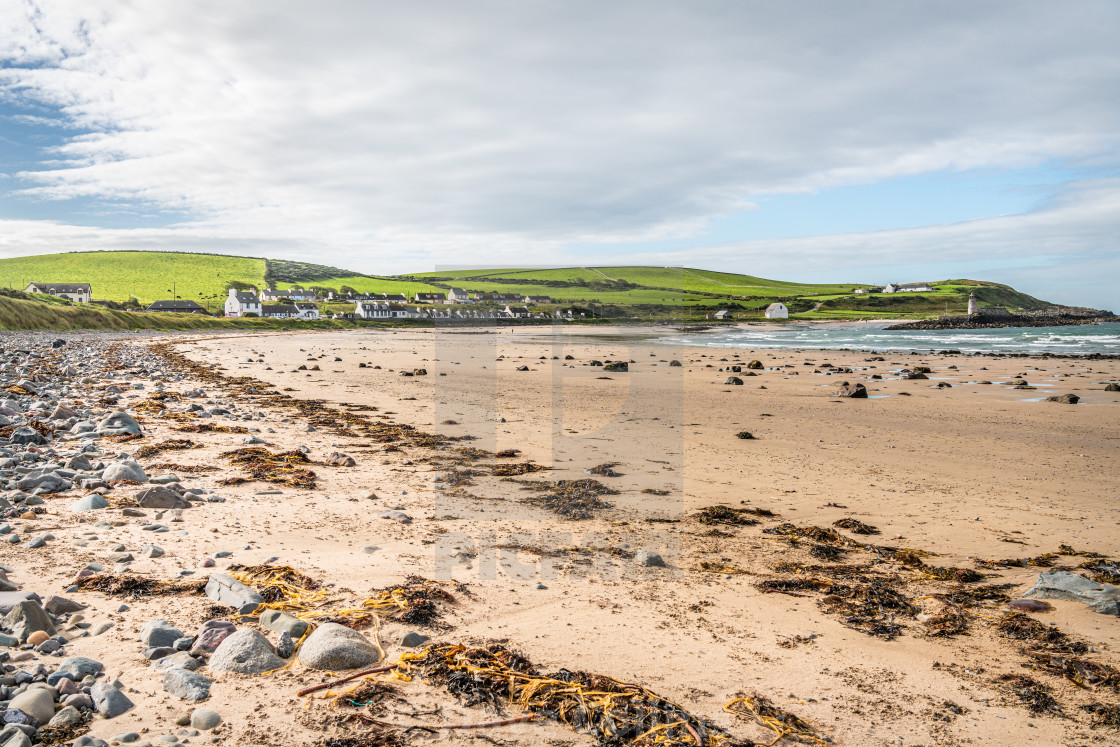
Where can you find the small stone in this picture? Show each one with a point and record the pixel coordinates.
(413, 639)
(39, 636)
(285, 646)
(186, 684)
(109, 701)
(649, 559)
(205, 719)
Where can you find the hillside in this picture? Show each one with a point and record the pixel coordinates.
(608, 291)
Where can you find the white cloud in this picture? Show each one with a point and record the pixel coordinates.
(389, 136)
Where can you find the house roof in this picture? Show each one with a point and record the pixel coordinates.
(775, 306)
(306, 306)
(175, 306)
(248, 297)
(64, 287)
(280, 308)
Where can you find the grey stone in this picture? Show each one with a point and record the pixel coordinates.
(854, 391)
(205, 719)
(187, 685)
(91, 502)
(80, 666)
(159, 633)
(649, 559)
(413, 639)
(332, 646)
(228, 590)
(158, 496)
(285, 646)
(283, 622)
(181, 660)
(1065, 399)
(245, 652)
(109, 701)
(152, 551)
(37, 703)
(399, 516)
(118, 424)
(68, 716)
(27, 617)
(127, 470)
(14, 737)
(1102, 598)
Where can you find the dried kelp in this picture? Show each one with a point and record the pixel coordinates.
(781, 722)
(606, 469)
(818, 534)
(614, 713)
(732, 516)
(572, 499)
(1023, 627)
(278, 468)
(855, 526)
(133, 585)
(1033, 694)
(174, 444)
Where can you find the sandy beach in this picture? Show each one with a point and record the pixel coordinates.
(973, 476)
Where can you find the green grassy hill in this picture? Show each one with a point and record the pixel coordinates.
(609, 291)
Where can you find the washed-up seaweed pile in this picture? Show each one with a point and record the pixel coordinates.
(732, 516)
(283, 587)
(517, 468)
(186, 469)
(781, 722)
(459, 478)
(614, 713)
(1033, 694)
(284, 468)
(134, 585)
(606, 469)
(1046, 560)
(174, 444)
(210, 428)
(572, 499)
(855, 526)
(818, 534)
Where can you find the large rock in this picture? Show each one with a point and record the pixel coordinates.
(333, 646)
(211, 635)
(91, 502)
(42, 484)
(36, 703)
(1102, 598)
(156, 633)
(158, 496)
(80, 666)
(109, 701)
(126, 470)
(118, 424)
(228, 590)
(855, 391)
(62, 412)
(27, 617)
(187, 685)
(1065, 399)
(245, 652)
(26, 436)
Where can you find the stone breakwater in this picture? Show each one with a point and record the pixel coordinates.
(996, 318)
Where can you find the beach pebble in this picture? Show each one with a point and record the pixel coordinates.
(649, 559)
(332, 647)
(205, 719)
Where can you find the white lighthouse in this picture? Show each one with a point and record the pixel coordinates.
(972, 308)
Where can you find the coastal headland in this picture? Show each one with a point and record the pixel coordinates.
(713, 526)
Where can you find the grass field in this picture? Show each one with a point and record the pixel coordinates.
(149, 276)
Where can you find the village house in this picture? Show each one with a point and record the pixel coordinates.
(430, 298)
(722, 315)
(240, 303)
(379, 310)
(497, 298)
(392, 298)
(907, 288)
(777, 311)
(307, 311)
(76, 292)
(292, 293)
(536, 299)
(177, 307)
(518, 312)
(456, 295)
(279, 311)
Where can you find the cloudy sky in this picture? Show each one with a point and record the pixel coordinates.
(818, 140)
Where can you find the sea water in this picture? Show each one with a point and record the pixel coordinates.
(872, 336)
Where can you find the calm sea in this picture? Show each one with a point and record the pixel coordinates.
(1081, 340)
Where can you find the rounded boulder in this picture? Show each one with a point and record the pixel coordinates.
(332, 646)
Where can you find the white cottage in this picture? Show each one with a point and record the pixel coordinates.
(76, 292)
(777, 311)
(240, 303)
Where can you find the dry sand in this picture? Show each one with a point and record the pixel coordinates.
(971, 471)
